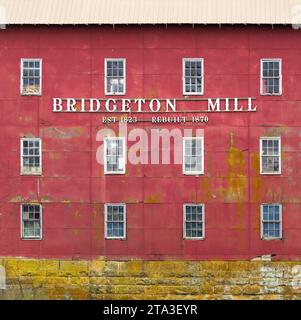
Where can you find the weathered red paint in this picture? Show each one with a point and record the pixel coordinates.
(73, 187)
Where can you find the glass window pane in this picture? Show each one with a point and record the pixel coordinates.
(115, 214)
(271, 221)
(193, 76)
(193, 221)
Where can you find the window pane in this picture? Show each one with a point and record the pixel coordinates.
(192, 155)
(31, 77)
(271, 77)
(31, 222)
(193, 221)
(271, 221)
(270, 156)
(115, 76)
(193, 76)
(31, 154)
(115, 221)
(115, 155)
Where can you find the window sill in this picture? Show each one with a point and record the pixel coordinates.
(26, 173)
(270, 173)
(114, 173)
(31, 94)
(192, 94)
(115, 94)
(271, 94)
(193, 173)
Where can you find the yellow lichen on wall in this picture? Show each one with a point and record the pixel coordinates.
(139, 279)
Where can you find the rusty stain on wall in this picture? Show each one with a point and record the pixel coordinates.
(153, 198)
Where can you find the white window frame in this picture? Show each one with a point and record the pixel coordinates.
(280, 221)
(202, 155)
(21, 77)
(106, 171)
(32, 170)
(184, 221)
(183, 77)
(280, 76)
(105, 221)
(124, 76)
(40, 237)
(261, 151)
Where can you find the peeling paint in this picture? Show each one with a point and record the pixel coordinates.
(16, 199)
(67, 202)
(77, 214)
(54, 156)
(59, 133)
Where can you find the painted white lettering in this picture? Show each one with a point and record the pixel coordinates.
(108, 107)
(71, 102)
(236, 105)
(57, 105)
(171, 105)
(250, 106)
(151, 105)
(227, 104)
(139, 104)
(97, 102)
(214, 106)
(125, 105)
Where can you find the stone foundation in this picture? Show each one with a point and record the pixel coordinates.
(137, 279)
